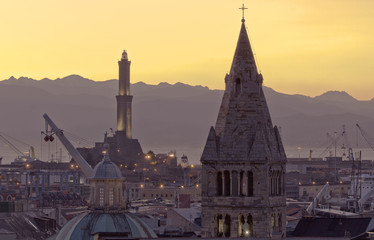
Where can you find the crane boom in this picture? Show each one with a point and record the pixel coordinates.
(14, 148)
(365, 136)
(82, 163)
(319, 196)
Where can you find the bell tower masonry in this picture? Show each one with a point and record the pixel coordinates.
(243, 162)
(124, 99)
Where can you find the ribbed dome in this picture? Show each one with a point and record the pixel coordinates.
(107, 169)
(84, 226)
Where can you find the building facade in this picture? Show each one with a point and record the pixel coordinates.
(243, 162)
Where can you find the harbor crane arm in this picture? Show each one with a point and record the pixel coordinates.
(14, 148)
(82, 163)
(363, 199)
(318, 198)
(365, 136)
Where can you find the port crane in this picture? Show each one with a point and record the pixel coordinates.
(21, 155)
(366, 136)
(82, 163)
(314, 205)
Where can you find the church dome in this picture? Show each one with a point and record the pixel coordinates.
(107, 169)
(86, 225)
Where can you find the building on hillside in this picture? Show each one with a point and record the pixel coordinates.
(243, 162)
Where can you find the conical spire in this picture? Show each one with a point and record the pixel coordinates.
(244, 57)
(244, 129)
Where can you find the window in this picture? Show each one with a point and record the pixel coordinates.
(227, 185)
(219, 226)
(241, 223)
(227, 226)
(273, 222)
(101, 196)
(111, 197)
(235, 184)
(238, 86)
(250, 184)
(249, 227)
(219, 184)
(210, 184)
(243, 185)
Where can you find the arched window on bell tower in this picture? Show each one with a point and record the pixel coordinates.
(226, 183)
(227, 226)
(250, 183)
(238, 86)
(219, 225)
(219, 184)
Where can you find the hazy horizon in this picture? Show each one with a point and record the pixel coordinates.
(162, 115)
(196, 85)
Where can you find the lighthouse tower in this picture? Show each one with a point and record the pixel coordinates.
(123, 149)
(124, 99)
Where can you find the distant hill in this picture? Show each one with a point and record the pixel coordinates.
(166, 116)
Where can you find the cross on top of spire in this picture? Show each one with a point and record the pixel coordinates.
(243, 8)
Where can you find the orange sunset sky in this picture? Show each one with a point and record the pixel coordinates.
(302, 46)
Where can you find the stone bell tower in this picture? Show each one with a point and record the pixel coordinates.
(243, 162)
